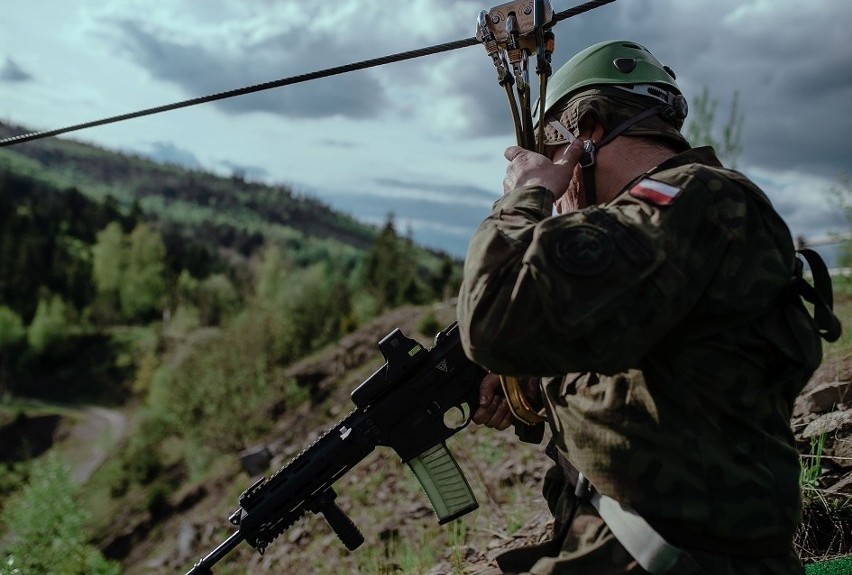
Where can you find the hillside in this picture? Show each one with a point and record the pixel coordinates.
(390, 508)
(227, 211)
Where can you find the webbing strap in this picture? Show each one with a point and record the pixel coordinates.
(656, 555)
(651, 551)
(820, 294)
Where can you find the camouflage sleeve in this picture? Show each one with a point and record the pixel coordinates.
(591, 290)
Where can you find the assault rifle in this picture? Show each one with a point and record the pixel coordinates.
(412, 404)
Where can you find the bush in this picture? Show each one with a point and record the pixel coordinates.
(12, 331)
(46, 527)
(429, 324)
(49, 327)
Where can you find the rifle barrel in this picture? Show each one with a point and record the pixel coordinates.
(205, 566)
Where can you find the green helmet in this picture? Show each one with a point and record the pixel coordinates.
(615, 63)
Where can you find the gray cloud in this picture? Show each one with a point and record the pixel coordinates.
(792, 66)
(789, 61)
(200, 71)
(11, 72)
(343, 144)
(437, 191)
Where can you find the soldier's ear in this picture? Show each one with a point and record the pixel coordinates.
(591, 127)
(598, 133)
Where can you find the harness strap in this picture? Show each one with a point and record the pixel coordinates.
(645, 545)
(820, 294)
(651, 551)
(587, 160)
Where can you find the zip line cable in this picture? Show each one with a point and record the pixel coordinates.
(591, 5)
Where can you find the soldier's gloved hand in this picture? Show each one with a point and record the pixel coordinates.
(528, 168)
(493, 409)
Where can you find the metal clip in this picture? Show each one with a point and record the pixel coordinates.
(484, 35)
(588, 158)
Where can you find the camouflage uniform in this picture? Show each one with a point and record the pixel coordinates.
(670, 351)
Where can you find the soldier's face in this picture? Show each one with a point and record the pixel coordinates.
(569, 200)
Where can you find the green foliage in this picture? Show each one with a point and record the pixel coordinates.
(44, 243)
(701, 128)
(217, 299)
(838, 566)
(220, 391)
(300, 308)
(47, 528)
(389, 271)
(108, 259)
(129, 270)
(12, 477)
(840, 198)
(50, 327)
(12, 335)
(143, 282)
(429, 324)
(141, 458)
(811, 466)
(12, 331)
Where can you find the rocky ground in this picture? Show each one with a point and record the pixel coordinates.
(822, 422)
(387, 504)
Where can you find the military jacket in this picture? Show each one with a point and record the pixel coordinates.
(669, 349)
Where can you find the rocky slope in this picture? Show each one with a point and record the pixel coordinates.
(388, 505)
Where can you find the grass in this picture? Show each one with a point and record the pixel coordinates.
(812, 466)
(839, 566)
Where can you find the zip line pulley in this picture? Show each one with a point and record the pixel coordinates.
(511, 33)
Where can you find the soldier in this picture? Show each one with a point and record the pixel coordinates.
(654, 322)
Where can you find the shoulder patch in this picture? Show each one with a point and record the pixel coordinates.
(655, 192)
(583, 250)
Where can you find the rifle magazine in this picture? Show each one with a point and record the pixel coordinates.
(444, 483)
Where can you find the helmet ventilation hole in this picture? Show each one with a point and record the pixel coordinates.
(625, 65)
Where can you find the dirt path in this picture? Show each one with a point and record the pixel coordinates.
(90, 438)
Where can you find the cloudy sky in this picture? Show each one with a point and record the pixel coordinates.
(423, 138)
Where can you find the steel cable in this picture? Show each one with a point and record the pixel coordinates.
(399, 57)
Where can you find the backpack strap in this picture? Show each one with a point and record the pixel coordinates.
(819, 294)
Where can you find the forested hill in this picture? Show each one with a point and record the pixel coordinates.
(93, 240)
(217, 209)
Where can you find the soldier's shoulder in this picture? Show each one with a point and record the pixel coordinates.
(696, 174)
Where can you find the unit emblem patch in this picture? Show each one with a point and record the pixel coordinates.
(583, 250)
(655, 192)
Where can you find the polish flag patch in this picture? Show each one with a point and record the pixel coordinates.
(655, 192)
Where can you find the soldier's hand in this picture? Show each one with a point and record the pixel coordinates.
(528, 168)
(493, 408)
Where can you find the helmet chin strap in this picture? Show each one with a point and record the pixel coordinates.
(587, 160)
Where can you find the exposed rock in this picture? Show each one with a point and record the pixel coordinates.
(834, 421)
(255, 460)
(824, 397)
